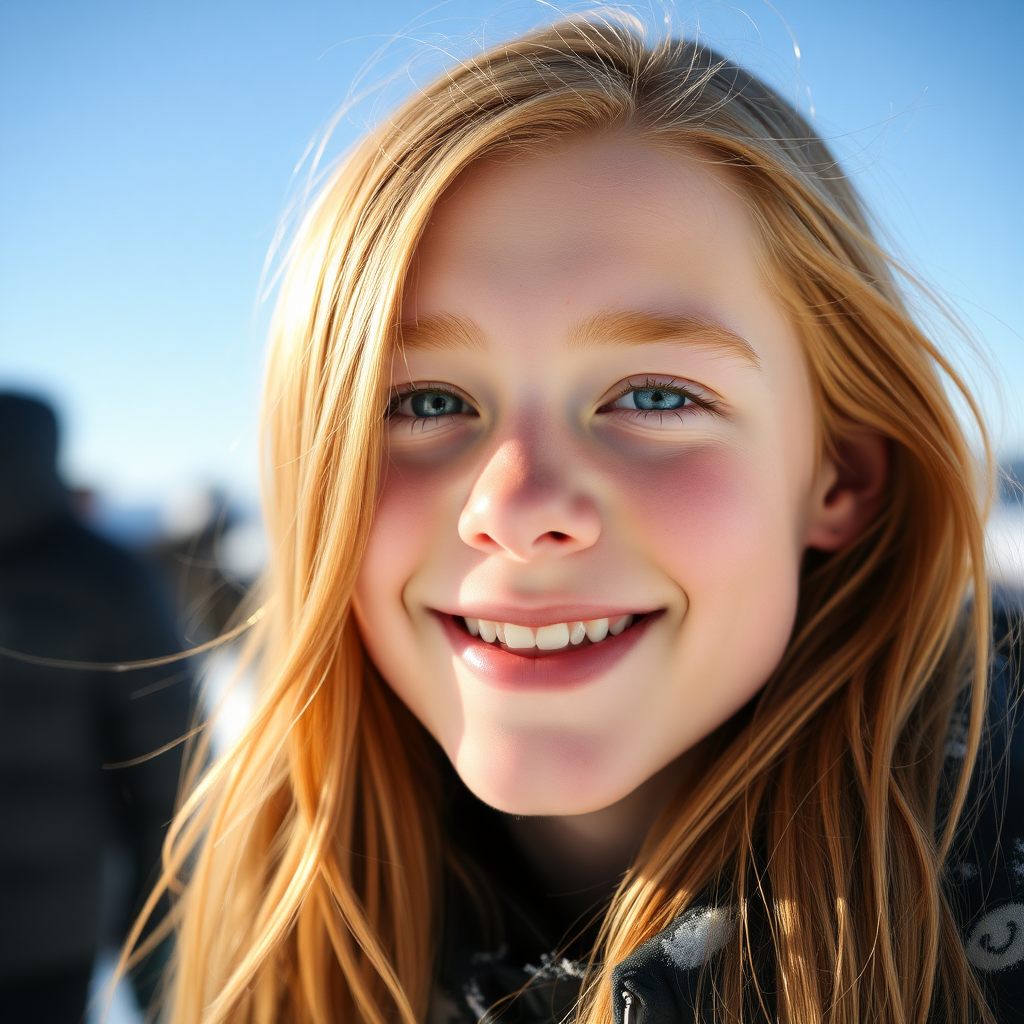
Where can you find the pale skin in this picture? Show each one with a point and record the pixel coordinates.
(627, 424)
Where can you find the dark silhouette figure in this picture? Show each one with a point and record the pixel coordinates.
(67, 593)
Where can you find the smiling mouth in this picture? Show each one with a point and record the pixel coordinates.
(554, 638)
(507, 663)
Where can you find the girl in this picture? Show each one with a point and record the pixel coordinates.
(623, 535)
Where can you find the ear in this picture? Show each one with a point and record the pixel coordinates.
(848, 492)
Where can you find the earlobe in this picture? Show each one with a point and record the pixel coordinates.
(848, 492)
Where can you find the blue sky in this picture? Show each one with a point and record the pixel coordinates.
(147, 150)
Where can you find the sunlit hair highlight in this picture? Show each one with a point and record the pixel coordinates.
(309, 858)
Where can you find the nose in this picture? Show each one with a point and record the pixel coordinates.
(524, 506)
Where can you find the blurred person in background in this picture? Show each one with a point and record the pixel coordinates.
(68, 594)
(195, 558)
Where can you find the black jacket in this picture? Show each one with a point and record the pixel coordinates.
(514, 977)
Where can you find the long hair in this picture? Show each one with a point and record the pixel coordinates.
(308, 860)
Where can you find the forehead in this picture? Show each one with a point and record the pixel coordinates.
(607, 208)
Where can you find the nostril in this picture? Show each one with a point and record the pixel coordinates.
(556, 535)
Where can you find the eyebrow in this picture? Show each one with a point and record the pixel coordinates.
(447, 331)
(438, 332)
(642, 327)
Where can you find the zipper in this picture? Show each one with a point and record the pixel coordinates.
(627, 1014)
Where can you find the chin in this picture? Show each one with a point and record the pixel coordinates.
(541, 772)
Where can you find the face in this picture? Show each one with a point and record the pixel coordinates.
(601, 475)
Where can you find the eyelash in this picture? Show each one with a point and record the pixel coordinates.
(425, 422)
(695, 403)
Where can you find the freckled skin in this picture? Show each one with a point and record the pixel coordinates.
(542, 498)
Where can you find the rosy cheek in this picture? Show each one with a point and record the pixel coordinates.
(404, 524)
(416, 515)
(707, 514)
(717, 522)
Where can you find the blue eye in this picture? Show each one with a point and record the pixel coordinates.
(658, 398)
(436, 403)
(429, 405)
(652, 400)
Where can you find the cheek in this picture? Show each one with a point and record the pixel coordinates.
(704, 512)
(416, 522)
(719, 522)
(396, 542)
(409, 520)
(411, 517)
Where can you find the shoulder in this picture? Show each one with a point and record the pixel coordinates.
(664, 980)
(660, 983)
(985, 878)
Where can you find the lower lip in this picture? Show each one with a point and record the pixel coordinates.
(561, 670)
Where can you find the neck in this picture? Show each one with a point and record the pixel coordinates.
(582, 857)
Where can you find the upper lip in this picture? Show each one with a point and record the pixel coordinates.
(535, 617)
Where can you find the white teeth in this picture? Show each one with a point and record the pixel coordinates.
(550, 638)
(518, 636)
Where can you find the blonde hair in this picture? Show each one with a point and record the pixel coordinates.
(309, 858)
